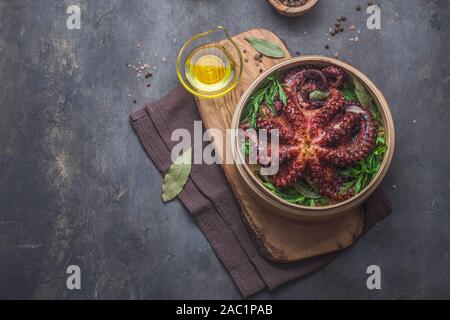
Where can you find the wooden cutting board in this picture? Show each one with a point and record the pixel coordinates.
(277, 239)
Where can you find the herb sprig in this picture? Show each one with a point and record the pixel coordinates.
(302, 194)
(361, 174)
(271, 89)
(246, 147)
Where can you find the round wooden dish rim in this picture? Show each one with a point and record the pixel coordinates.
(333, 209)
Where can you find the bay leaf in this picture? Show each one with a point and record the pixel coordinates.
(265, 47)
(177, 176)
(318, 95)
(306, 191)
(364, 97)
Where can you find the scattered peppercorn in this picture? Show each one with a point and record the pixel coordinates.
(134, 101)
(327, 47)
(358, 8)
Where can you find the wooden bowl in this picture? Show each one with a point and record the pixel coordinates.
(298, 212)
(292, 11)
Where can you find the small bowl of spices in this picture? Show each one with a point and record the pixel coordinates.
(293, 8)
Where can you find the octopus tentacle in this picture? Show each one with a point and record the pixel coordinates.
(335, 76)
(294, 78)
(333, 105)
(303, 96)
(358, 147)
(338, 130)
(293, 112)
(312, 80)
(285, 153)
(302, 82)
(270, 122)
(325, 177)
(288, 153)
(289, 175)
(314, 76)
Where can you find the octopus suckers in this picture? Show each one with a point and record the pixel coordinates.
(319, 138)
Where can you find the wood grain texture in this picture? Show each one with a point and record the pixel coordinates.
(277, 238)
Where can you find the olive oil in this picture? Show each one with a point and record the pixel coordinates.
(209, 69)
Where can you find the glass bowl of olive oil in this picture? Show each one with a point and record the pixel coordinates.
(210, 64)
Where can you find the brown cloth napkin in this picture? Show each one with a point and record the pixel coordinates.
(212, 205)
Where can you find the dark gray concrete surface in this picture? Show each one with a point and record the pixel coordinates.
(77, 188)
